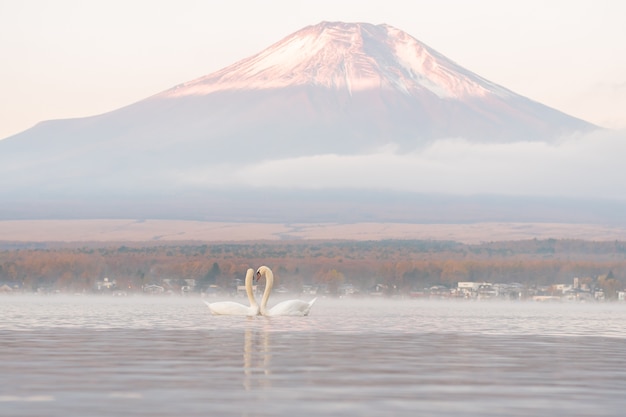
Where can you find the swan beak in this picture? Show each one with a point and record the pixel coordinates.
(258, 275)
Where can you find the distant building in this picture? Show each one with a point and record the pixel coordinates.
(467, 289)
(106, 284)
(153, 289)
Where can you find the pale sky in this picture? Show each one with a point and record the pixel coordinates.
(75, 58)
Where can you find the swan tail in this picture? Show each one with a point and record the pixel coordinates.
(308, 308)
(210, 308)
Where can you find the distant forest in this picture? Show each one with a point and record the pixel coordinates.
(404, 265)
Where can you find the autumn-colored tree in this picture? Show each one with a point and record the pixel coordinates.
(406, 265)
(332, 279)
(609, 285)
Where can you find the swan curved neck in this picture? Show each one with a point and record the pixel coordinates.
(249, 292)
(269, 283)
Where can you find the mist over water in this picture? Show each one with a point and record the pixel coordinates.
(146, 356)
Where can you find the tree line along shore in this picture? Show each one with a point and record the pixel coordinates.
(397, 266)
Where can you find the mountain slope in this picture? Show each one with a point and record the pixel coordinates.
(331, 88)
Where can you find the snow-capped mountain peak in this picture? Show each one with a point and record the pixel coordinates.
(346, 56)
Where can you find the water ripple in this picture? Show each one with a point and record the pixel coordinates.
(159, 356)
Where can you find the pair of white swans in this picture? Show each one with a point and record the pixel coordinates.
(285, 308)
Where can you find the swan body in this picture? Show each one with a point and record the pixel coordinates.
(285, 308)
(231, 308)
(291, 308)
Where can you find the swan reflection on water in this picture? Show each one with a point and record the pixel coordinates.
(256, 358)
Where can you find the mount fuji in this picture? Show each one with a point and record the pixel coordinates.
(332, 88)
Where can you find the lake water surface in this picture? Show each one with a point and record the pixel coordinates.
(154, 356)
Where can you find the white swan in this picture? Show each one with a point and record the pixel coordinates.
(285, 308)
(231, 308)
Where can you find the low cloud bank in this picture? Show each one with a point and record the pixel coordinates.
(586, 166)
